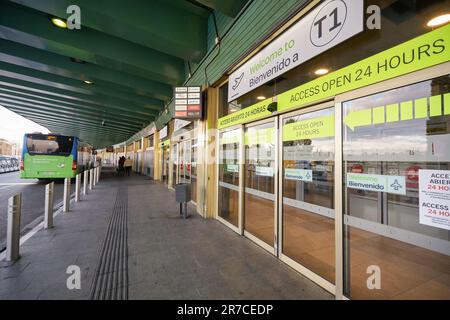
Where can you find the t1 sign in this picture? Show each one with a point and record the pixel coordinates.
(331, 23)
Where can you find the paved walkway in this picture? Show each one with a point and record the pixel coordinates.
(129, 242)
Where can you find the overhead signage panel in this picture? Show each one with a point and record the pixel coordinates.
(329, 24)
(188, 103)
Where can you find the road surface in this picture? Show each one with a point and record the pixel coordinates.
(33, 198)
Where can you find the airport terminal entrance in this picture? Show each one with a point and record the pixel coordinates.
(356, 183)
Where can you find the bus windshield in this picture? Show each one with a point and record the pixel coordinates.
(49, 144)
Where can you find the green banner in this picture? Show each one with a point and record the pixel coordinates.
(406, 110)
(319, 127)
(422, 52)
(252, 113)
(260, 136)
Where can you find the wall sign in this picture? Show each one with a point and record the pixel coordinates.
(377, 183)
(163, 133)
(264, 171)
(298, 174)
(434, 198)
(254, 112)
(188, 102)
(329, 24)
(397, 61)
(178, 124)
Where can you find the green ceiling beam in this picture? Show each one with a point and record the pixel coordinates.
(42, 99)
(96, 89)
(32, 27)
(89, 100)
(154, 24)
(228, 7)
(19, 54)
(98, 115)
(41, 111)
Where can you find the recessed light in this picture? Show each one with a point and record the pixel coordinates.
(88, 82)
(60, 23)
(321, 71)
(439, 20)
(260, 97)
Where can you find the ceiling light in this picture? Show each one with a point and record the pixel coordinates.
(88, 82)
(321, 71)
(439, 20)
(60, 23)
(260, 97)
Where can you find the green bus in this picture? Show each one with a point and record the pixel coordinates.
(53, 156)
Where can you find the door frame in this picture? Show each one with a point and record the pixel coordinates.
(289, 261)
(273, 250)
(239, 228)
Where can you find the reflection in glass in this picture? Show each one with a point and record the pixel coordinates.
(409, 132)
(229, 167)
(260, 182)
(308, 191)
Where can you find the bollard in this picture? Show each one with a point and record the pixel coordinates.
(48, 211)
(13, 231)
(98, 174)
(85, 182)
(95, 176)
(66, 199)
(77, 187)
(91, 177)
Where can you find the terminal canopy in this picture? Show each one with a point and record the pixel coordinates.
(113, 75)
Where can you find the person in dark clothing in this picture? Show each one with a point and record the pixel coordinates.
(128, 164)
(121, 164)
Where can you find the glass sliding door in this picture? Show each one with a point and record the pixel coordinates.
(193, 170)
(308, 232)
(396, 176)
(229, 176)
(260, 177)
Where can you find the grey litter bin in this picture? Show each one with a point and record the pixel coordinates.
(183, 196)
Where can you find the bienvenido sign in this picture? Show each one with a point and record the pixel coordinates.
(326, 26)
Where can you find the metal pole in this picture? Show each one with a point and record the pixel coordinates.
(98, 174)
(91, 182)
(48, 214)
(95, 176)
(77, 187)
(13, 231)
(85, 182)
(66, 200)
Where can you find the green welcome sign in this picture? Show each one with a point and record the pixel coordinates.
(427, 50)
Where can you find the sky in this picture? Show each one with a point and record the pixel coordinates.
(14, 126)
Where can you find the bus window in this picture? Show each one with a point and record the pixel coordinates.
(49, 145)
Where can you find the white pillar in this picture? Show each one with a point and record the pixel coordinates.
(66, 199)
(13, 228)
(77, 187)
(91, 179)
(85, 182)
(48, 212)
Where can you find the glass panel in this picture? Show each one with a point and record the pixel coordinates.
(396, 223)
(408, 18)
(308, 191)
(193, 170)
(181, 162)
(187, 162)
(259, 197)
(229, 176)
(174, 164)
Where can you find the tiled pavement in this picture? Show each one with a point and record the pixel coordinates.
(167, 257)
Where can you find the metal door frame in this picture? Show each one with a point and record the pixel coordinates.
(289, 261)
(237, 229)
(273, 250)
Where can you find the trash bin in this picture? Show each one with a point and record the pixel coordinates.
(183, 196)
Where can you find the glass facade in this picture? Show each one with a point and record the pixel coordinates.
(409, 133)
(229, 168)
